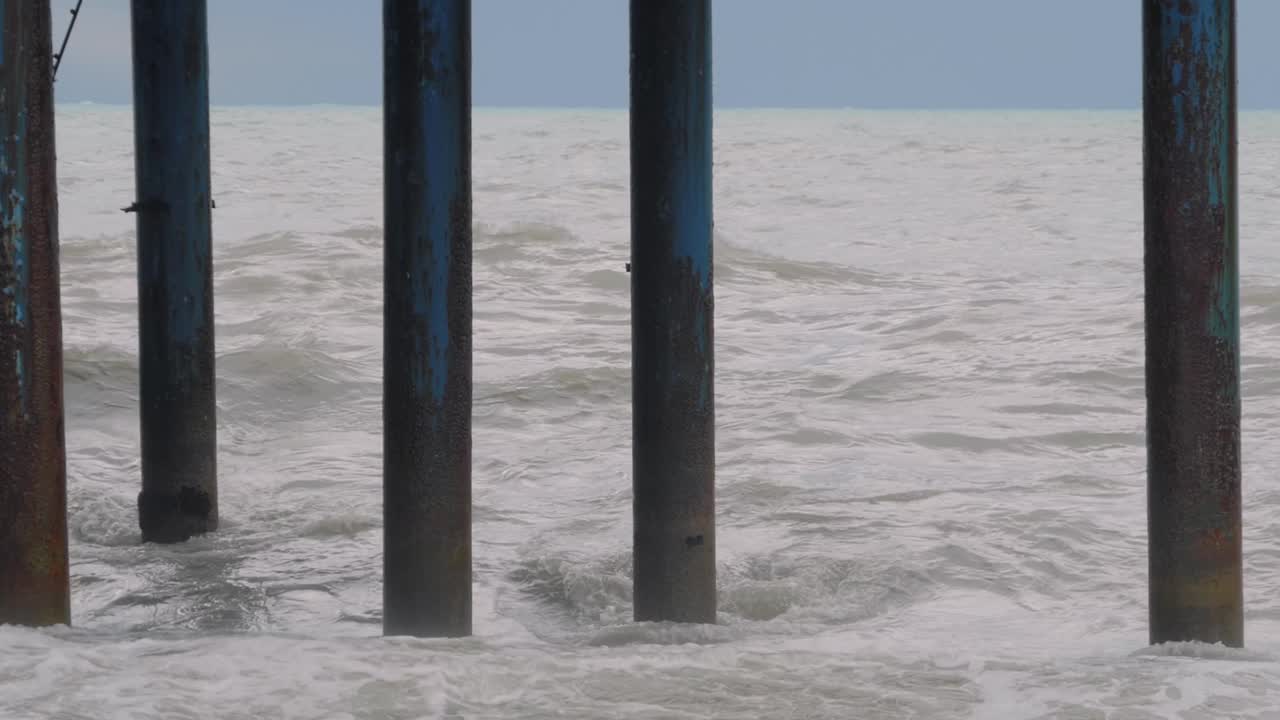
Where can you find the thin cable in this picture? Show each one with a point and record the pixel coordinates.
(57, 58)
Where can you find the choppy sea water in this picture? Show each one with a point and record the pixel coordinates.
(931, 493)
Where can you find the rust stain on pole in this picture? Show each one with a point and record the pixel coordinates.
(34, 573)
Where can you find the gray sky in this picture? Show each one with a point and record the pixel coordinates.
(767, 53)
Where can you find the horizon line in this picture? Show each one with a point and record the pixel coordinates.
(624, 108)
(481, 106)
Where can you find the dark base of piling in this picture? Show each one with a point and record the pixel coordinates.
(51, 606)
(172, 518)
(1223, 625)
(1207, 609)
(675, 574)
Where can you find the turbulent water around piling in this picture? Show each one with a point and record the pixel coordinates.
(931, 493)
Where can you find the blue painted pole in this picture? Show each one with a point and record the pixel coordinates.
(1192, 321)
(34, 572)
(427, 318)
(179, 495)
(673, 432)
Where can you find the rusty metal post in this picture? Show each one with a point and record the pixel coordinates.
(34, 572)
(673, 432)
(179, 495)
(427, 318)
(1192, 321)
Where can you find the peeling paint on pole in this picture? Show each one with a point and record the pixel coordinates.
(1192, 321)
(673, 436)
(34, 572)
